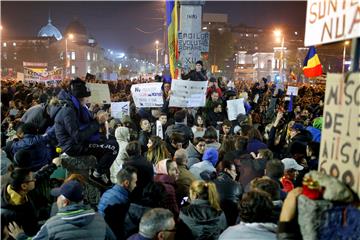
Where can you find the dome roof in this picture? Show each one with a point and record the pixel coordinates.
(50, 31)
(76, 27)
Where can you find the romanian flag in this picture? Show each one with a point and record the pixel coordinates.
(172, 29)
(312, 66)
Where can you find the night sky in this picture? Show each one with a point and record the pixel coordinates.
(114, 24)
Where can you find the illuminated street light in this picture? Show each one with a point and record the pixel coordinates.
(344, 55)
(278, 34)
(157, 55)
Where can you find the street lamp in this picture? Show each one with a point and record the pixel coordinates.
(67, 60)
(344, 55)
(280, 37)
(157, 55)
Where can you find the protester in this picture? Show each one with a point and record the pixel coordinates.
(206, 168)
(195, 151)
(122, 135)
(197, 74)
(291, 168)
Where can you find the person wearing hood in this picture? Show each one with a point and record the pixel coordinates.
(74, 220)
(77, 132)
(195, 151)
(167, 173)
(255, 212)
(315, 129)
(203, 218)
(122, 135)
(206, 169)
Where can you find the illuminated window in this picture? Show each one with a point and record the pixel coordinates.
(73, 69)
(88, 57)
(72, 55)
(94, 57)
(4, 44)
(14, 44)
(88, 69)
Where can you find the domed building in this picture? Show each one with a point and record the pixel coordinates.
(50, 31)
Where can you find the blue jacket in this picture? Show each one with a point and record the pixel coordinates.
(316, 133)
(74, 126)
(113, 205)
(41, 153)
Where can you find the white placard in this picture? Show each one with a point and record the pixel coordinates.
(331, 21)
(159, 130)
(147, 95)
(188, 93)
(292, 90)
(100, 93)
(119, 109)
(340, 142)
(19, 76)
(235, 107)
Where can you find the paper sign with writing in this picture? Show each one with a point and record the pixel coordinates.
(235, 107)
(331, 21)
(292, 90)
(340, 141)
(100, 93)
(147, 95)
(119, 109)
(188, 93)
(159, 130)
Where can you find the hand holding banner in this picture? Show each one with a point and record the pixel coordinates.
(147, 95)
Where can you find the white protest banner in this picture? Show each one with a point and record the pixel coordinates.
(292, 90)
(100, 93)
(147, 95)
(235, 107)
(331, 21)
(159, 130)
(340, 142)
(188, 93)
(119, 109)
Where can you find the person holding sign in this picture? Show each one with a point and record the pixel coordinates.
(197, 74)
(77, 131)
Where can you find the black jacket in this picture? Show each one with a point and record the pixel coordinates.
(230, 193)
(193, 75)
(181, 128)
(143, 140)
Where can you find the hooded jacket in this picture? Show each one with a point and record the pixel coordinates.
(74, 126)
(122, 135)
(75, 221)
(203, 221)
(202, 167)
(193, 155)
(169, 184)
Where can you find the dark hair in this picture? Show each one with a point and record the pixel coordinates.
(215, 104)
(17, 177)
(125, 174)
(314, 148)
(253, 133)
(162, 114)
(227, 164)
(142, 120)
(256, 206)
(266, 153)
(227, 123)
(196, 119)
(241, 143)
(227, 145)
(274, 169)
(297, 147)
(26, 128)
(133, 148)
(179, 116)
(176, 138)
(210, 133)
(267, 185)
(153, 195)
(197, 140)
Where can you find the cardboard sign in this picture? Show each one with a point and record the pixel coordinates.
(188, 93)
(340, 142)
(292, 90)
(147, 95)
(100, 93)
(331, 21)
(235, 107)
(119, 109)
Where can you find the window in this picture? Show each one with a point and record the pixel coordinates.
(72, 69)
(88, 69)
(72, 55)
(4, 44)
(5, 55)
(15, 58)
(88, 57)
(94, 57)
(14, 44)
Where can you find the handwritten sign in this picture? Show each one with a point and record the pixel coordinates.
(119, 109)
(147, 95)
(235, 107)
(188, 93)
(331, 21)
(31, 75)
(292, 91)
(340, 144)
(194, 41)
(100, 93)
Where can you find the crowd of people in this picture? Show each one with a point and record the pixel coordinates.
(205, 177)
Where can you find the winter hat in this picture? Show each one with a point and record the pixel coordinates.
(79, 89)
(297, 127)
(290, 163)
(211, 155)
(72, 190)
(317, 123)
(200, 62)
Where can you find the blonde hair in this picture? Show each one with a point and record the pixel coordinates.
(206, 191)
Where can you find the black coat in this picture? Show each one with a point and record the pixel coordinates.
(193, 75)
(183, 130)
(24, 215)
(230, 193)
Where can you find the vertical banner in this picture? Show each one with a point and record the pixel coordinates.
(172, 30)
(340, 144)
